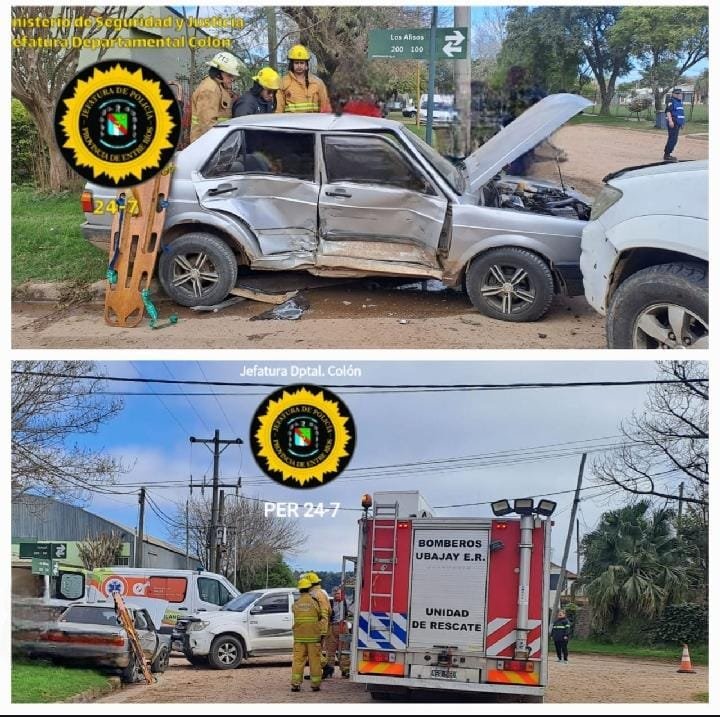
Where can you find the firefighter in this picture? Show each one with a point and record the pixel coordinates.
(212, 101)
(338, 614)
(260, 98)
(324, 601)
(299, 90)
(307, 622)
(561, 635)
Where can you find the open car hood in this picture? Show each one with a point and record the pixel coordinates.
(522, 134)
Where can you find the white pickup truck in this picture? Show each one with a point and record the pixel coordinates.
(255, 623)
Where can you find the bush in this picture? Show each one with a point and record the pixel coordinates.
(29, 160)
(684, 623)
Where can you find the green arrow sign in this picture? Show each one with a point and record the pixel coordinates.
(414, 44)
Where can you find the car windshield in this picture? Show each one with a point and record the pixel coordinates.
(241, 602)
(91, 615)
(451, 173)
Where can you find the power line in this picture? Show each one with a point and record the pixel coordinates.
(189, 402)
(217, 400)
(383, 387)
(157, 395)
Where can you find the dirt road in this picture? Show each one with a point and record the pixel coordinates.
(613, 680)
(361, 314)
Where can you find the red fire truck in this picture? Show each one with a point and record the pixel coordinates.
(451, 603)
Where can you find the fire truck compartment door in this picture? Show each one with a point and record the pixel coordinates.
(448, 597)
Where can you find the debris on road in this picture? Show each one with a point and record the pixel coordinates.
(290, 310)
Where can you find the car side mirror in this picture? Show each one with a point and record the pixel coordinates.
(256, 610)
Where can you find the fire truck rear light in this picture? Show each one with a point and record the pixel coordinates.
(403, 525)
(379, 656)
(86, 201)
(516, 666)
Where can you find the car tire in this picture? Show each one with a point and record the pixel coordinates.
(528, 280)
(226, 653)
(161, 662)
(651, 307)
(132, 672)
(184, 259)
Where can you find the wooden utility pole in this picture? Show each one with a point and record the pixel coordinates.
(271, 14)
(216, 442)
(577, 546)
(462, 86)
(141, 526)
(568, 538)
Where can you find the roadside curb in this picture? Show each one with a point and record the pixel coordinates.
(113, 684)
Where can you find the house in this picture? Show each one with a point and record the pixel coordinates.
(36, 519)
(570, 578)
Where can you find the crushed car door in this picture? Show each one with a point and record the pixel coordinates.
(267, 181)
(377, 209)
(271, 622)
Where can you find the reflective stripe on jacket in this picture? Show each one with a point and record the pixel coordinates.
(295, 96)
(307, 616)
(211, 103)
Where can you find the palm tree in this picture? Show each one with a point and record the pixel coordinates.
(633, 564)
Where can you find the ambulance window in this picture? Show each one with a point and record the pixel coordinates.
(213, 591)
(170, 589)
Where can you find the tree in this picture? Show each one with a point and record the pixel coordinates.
(632, 565)
(100, 551)
(51, 406)
(276, 574)
(607, 56)
(39, 74)
(667, 40)
(536, 39)
(253, 540)
(666, 445)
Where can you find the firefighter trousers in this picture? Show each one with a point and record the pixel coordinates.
(310, 652)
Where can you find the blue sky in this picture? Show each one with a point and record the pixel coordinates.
(152, 437)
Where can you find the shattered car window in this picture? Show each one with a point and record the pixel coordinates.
(283, 154)
(369, 160)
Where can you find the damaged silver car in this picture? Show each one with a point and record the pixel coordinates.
(353, 196)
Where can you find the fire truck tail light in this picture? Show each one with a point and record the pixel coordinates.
(403, 525)
(516, 666)
(86, 201)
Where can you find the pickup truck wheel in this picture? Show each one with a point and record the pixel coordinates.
(197, 269)
(510, 284)
(132, 672)
(661, 307)
(226, 653)
(161, 662)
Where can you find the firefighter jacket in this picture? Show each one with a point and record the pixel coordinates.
(561, 629)
(324, 601)
(307, 616)
(211, 103)
(295, 96)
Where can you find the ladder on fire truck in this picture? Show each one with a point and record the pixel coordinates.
(385, 557)
(136, 651)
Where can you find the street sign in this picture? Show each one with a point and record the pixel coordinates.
(54, 551)
(42, 566)
(414, 44)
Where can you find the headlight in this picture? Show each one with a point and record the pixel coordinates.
(604, 201)
(201, 625)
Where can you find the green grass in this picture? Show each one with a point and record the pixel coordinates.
(698, 653)
(626, 123)
(43, 682)
(701, 697)
(699, 112)
(47, 244)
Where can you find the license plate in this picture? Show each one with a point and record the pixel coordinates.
(451, 674)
